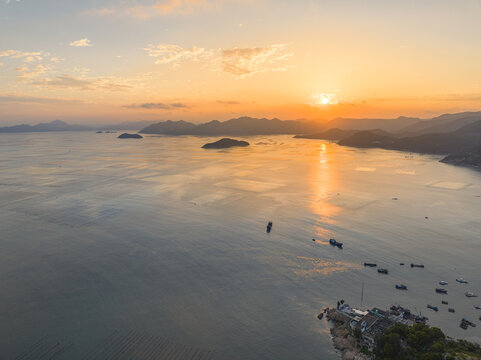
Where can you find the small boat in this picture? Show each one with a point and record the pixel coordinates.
(435, 308)
(333, 242)
(451, 310)
(477, 307)
(269, 226)
(465, 323)
(417, 265)
(443, 283)
(320, 316)
(441, 291)
(370, 264)
(401, 287)
(462, 281)
(444, 302)
(383, 271)
(402, 264)
(470, 294)
(313, 239)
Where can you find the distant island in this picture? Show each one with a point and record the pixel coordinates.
(130, 136)
(225, 143)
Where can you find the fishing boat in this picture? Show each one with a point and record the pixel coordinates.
(370, 264)
(451, 310)
(470, 294)
(443, 283)
(444, 302)
(417, 265)
(477, 307)
(462, 281)
(441, 291)
(435, 308)
(383, 271)
(333, 242)
(401, 287)
(465, 323)
(269, 226)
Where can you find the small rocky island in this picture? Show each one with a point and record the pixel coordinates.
(225, 143)
(130, 136)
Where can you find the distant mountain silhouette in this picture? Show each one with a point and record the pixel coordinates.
(460, 140)
(126, 125)
(243, 126)
(338, 134)
(56, 125)
(441, 124)
(464, 144)
(391, 125)
(170, 127)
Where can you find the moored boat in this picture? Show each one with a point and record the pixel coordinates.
(401, 287)
(333, 242)
(441, 291)
(443, 283)
(470, 294)
(451, 310)
(435, 308)
(383, 271)
(269, 226)
(417, 265)
(462, 281)
(370, 264)
(444, 302)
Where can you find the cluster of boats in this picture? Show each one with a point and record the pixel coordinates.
(464, 322)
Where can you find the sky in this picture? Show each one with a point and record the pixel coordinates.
(104, 61)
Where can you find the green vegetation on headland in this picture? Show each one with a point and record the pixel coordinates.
(423, 342)
(394, 334)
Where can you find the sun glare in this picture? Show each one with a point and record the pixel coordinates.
(324, 99)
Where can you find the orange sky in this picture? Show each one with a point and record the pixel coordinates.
(216, 59)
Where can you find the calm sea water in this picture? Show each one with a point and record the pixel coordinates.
(160, 236)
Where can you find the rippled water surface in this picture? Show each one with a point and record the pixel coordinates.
(160, 236)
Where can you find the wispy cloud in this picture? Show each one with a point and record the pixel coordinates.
(8, 1)
(228, 102)
(81, 43)
(79, 83)
(240, 62)
(157, 105)
(26, 73)
(160, 7)
(26, 56)
(168, 53)
(244, 62)
(33, 99)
